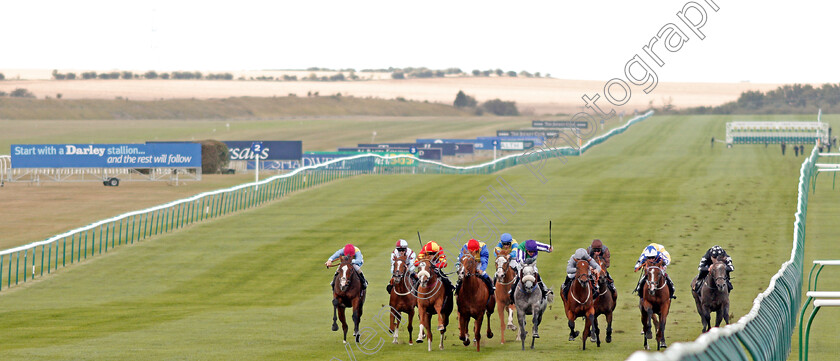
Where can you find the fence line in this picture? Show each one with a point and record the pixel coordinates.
(765, 333)
(78, 244)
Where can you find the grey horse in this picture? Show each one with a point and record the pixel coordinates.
(529, 301)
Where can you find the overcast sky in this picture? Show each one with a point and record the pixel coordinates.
(757, 41)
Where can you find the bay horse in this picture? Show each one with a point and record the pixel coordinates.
(656, 300)
(433, 297)
(582, 302)
(505, 276)
(347, 292)
(605, 303)
(713, 297)
(402, 299)
(474, 301)
(529, 302)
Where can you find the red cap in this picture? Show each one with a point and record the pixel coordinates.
(473, 245)
(349, 250)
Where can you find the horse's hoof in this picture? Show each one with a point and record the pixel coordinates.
(648, 335)
(609, 338)
(395, 342)
(410, 343)
(345, 341)
(571, 338)
(593, 338)
(532, 347)
(419, 341)
(442, 328)
(490, 335)
(358, 337)
(335, 327)
(536, 335)
(466, 342)
(511, 327)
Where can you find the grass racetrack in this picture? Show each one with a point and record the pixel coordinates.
(252, 286)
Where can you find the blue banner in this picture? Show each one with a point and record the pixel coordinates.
(271, 149)
(151, 155)
(478, 144)
(315, 159)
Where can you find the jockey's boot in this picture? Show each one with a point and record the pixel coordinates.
(639, 287)
(457, 286)
(566, 285)
(488, 283)
(698, 285)
(364, 281)
(544, 289)
(670, 286)
(729, 283)
(513, 289)
(388, 288)
(611, 284)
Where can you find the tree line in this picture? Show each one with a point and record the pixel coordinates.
(786, 99)
(493, 106)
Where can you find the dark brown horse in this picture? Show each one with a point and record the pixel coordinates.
(505, 276)
(347, 292)
(474, 301)
(655, 301)
(402, 300)
(433, 297)
(581, 301)
(605, 303)
(713, 297)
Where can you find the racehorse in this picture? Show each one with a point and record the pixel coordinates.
(505, 276)
(656, 300)
(713, 297)
(347, 292)
(402, 300)
(582, 302)
(529, 302)
(474, 301)
(605, 303)
(433, 297)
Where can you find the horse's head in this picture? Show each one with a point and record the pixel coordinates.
(400, 269)
(602, 276)
(717, 272)
(346, 272)
(582, 273)
(654, 276)
(502, 264)
(468, 266)
(529, 277)
(425, 274)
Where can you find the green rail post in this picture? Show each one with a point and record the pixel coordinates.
(33, 261)
(121, 231)
(201, 211)
(107, 232)
(42, 258)
(9, 278)
(178, 220)
(166, 220)
(25, 255)
(1, 271)
(72, 248)
(17, 268)
(808, 330)
(80, 246)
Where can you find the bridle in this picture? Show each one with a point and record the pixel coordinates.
(464, 273)
(716, 278)
(651, 280)
(505, 267)
(583, 279)
(398, 276)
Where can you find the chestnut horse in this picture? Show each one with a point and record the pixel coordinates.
(713, 297)
(656, 300)
(505, 276)
(402, 300)
(433, 297)
(605, 303)
(474, 301)
(347, 292)
(580, 302)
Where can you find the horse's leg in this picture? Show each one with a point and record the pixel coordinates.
(424, 324)
(725, 310)
(478, 321)
(572, 332)
(520, 316)
(393, 327)
(335, 306)
(511, 309)
(463, 323)
(410, 314)
(587, 326)
(609, 326)
(343, 320)
(646, 312)
(661, 331)
(718, 317)
(500, 308)
(441, 326)
(357, 317)
(489, 312)
(593, 331)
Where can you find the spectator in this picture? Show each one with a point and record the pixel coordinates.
(713, 142)
(796, 150)
(783, 148)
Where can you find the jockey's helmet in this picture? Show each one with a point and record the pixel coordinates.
(597, 246)
(473, 246)
(650, 252)
(580, 253)
(402, 245)
(349, 250)
(717, 251)
(506, 238)
(531, 247)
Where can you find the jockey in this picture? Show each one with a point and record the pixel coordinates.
(476, 249)
(434, 253)
(598, 249)
(402, 250)
(571, 269)
(349, 250)
(712, 254)
(656, 252)
(527, 254)
(506, 244)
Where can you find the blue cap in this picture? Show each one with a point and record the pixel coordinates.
(506, 238)
(531, 245)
